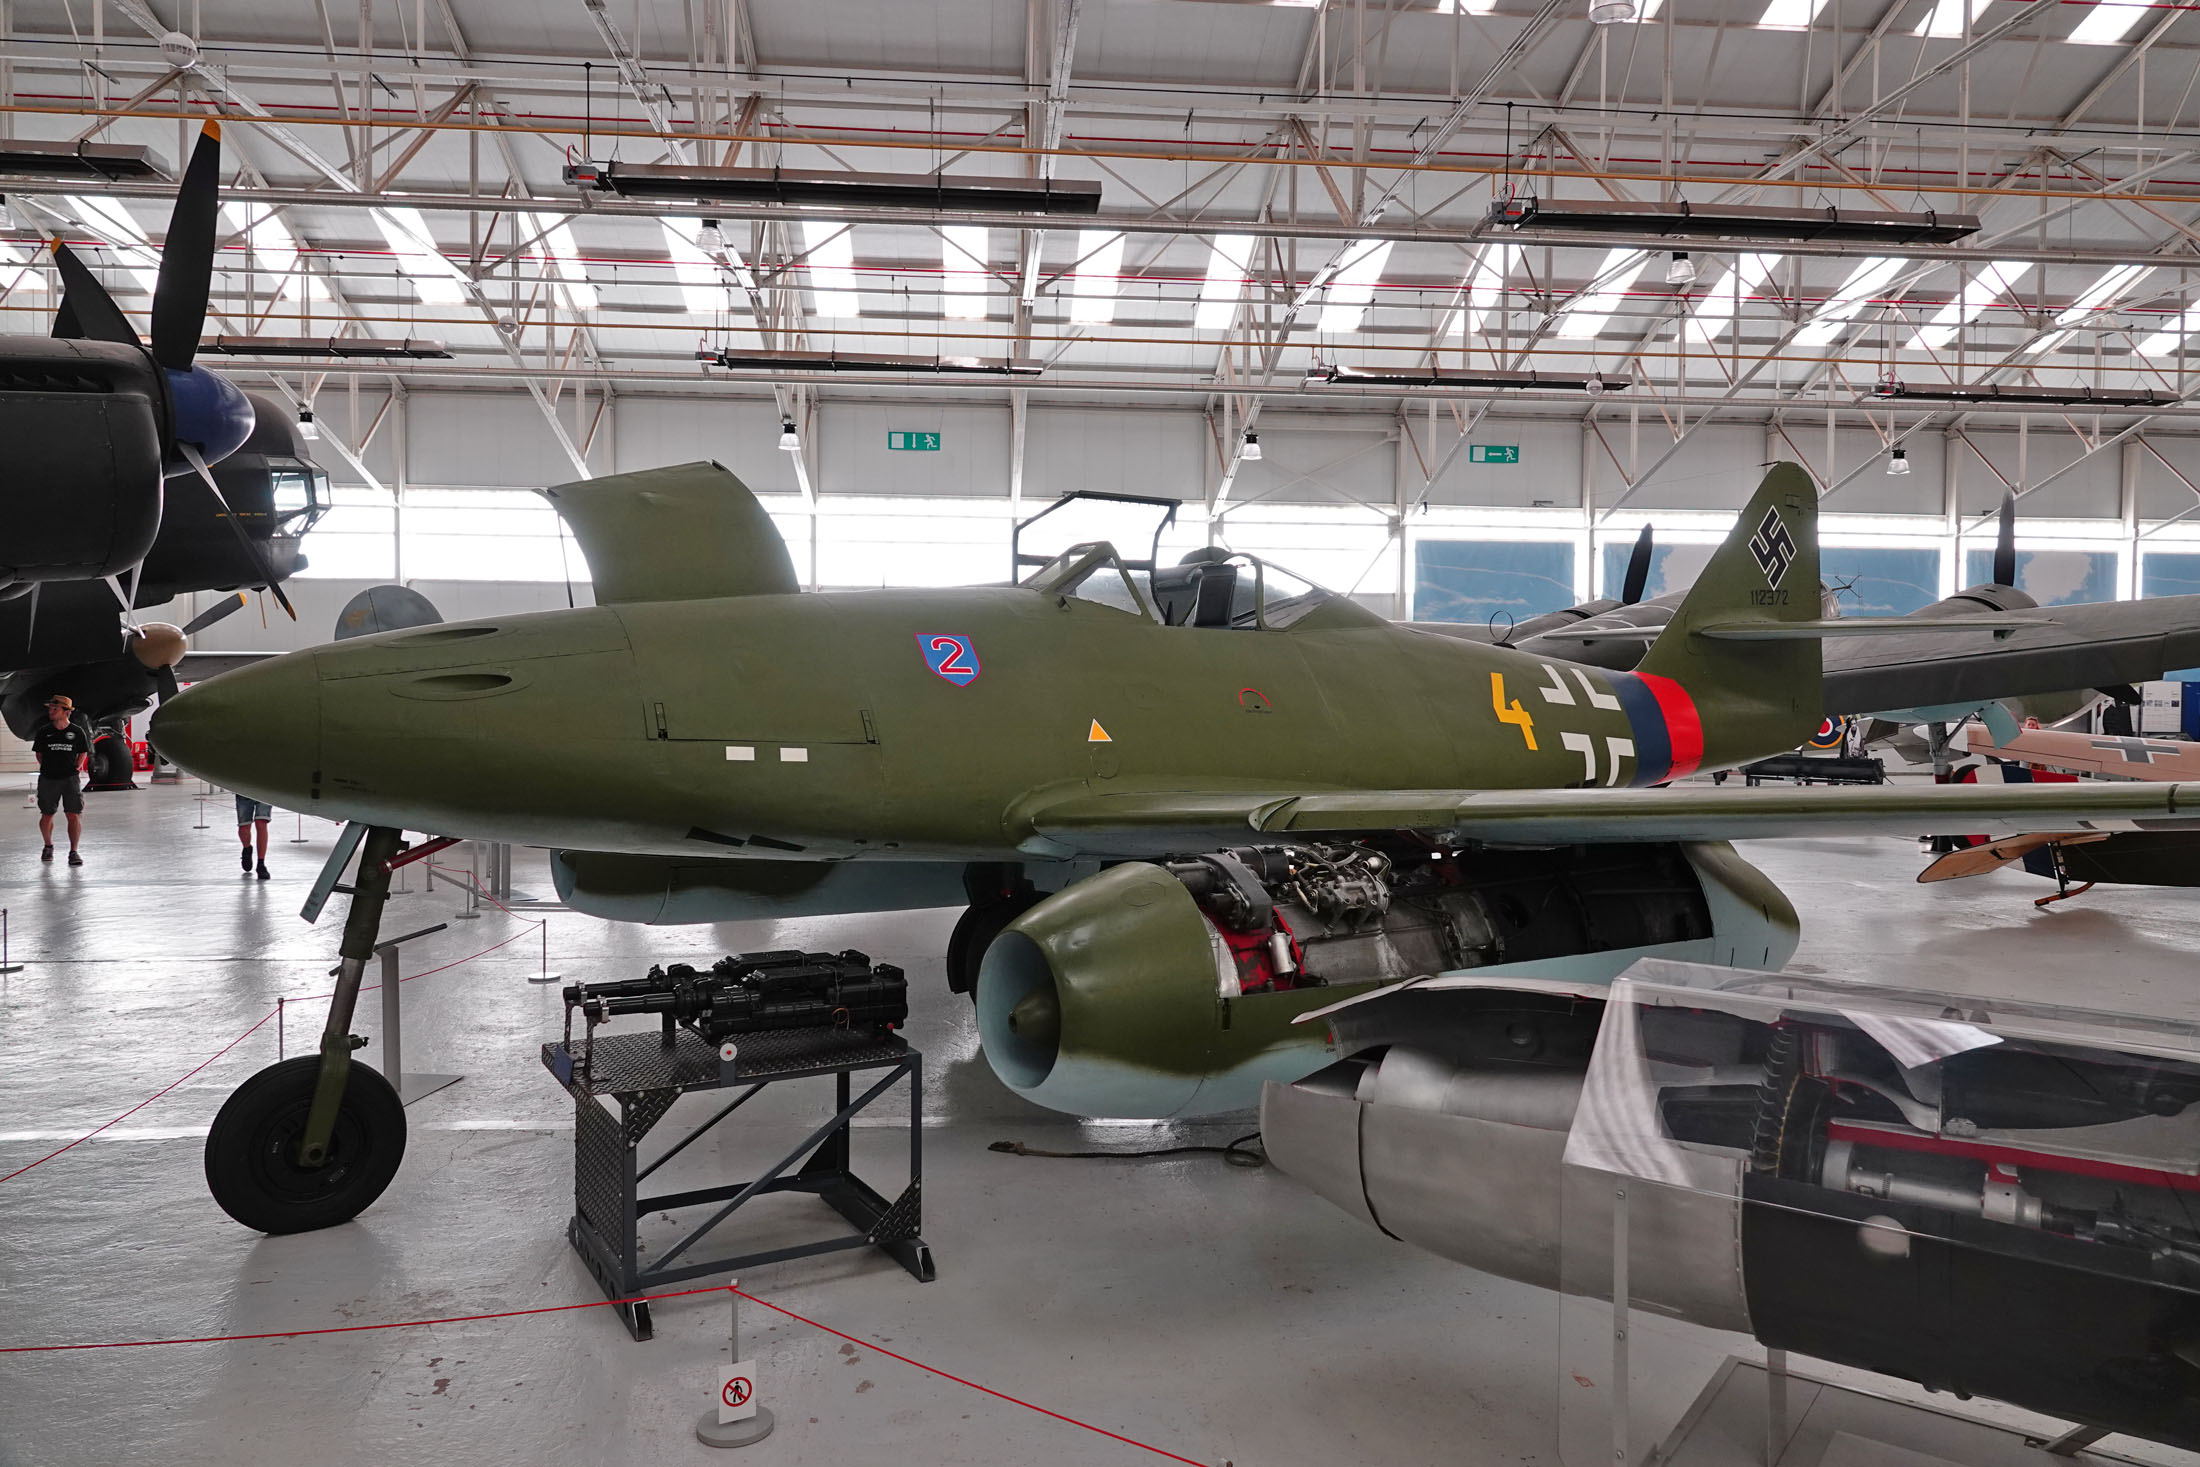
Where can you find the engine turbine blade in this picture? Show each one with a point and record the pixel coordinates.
(187, 256)
(236, 527)
(87, 310)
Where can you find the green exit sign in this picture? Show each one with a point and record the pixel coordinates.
(1493, 453)
(908, 440)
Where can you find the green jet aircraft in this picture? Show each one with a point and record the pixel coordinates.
(1183, 805)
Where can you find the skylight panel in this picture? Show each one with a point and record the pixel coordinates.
(2109, 21)
(433, 278)
(1997, 277)
(1834, 316)
(829, 249)
(2110, 287)
(19, 272)
(2164, 343)
(1946, 21)
(1588, 314)
(1790, 15)
(1229, 268)
(562, 260)
(702, 288)
(274, 249)
(1094, 281)
(1485, 286)
(113, 223)
(1352, 288)
(1471, 7)
(963, 272)
(1717, 307)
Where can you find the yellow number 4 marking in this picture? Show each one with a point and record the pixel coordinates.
(1515, 714)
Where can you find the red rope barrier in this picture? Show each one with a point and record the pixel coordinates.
(945, 1375)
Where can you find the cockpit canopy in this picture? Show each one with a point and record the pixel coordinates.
(1210, 587)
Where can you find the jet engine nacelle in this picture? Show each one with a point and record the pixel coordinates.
(1156, 990)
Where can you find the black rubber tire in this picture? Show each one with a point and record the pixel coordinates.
(110, 764)
(251, 1151)
(974, 933)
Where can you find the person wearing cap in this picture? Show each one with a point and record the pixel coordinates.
(61, 747)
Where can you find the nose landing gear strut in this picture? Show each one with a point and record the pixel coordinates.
(313, 1141)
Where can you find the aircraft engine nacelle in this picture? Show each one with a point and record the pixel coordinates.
(1161, 989)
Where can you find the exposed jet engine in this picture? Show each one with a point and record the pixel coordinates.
(1170, 988)
(1997, 1213)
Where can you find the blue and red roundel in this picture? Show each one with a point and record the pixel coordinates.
(951, 657)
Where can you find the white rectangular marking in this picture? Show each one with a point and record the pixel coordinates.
(1621, 749)
(1586, 747)
(791, 755)
(1596, 699)
(1556, 693)
(741, 753)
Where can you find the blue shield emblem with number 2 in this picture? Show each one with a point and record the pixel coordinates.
(952, 658)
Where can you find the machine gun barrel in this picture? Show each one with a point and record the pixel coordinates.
(749, 992)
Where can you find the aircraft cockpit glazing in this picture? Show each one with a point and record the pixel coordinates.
(1210, 587)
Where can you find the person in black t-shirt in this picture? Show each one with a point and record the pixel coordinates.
(61, 747)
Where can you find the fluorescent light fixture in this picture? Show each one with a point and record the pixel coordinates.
(112, 223)
(1842, 307)
(2109, 21)
(1587, 315)
(1717, 307)
(784, 362)
(1352, 288)
(1229, 269)
(1095, 278)
(1485, 287)
(1680, 270)
(1790, 15)
(1992, 393)
(2164, 343)
(789, 440)
(963, 272)
(1729, 221)
(359, 347)
(794, 186)
(1898, 462)
(1457, 377)
(561, 261)
(433, 278)
(1249, 450)
(1947, 18)
(33, 158)
(829, 251)
(1995, 278)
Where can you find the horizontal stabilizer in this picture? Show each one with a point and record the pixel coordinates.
(1978, 860)
(1816, 628)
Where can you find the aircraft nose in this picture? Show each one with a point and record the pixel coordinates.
(255, 730)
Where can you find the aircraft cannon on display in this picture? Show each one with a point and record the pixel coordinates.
(1185, 804)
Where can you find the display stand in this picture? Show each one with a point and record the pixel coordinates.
(644, 1073)
(411, 1087)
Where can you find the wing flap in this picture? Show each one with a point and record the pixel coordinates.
(1159, 822)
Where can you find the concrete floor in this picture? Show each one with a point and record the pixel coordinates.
(1216, 1313)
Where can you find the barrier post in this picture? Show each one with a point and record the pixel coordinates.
(8, 967)
(545, 976)
(300, 838)
(737, 1418)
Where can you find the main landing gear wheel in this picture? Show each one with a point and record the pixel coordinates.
(252, 1165)
(974, 932)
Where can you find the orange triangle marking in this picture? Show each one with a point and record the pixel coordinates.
(1098, 735)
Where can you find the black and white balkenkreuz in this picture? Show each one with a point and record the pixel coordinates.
(1773, 546)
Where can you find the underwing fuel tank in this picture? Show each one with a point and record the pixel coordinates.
(1985, 1201)
(1163, 989)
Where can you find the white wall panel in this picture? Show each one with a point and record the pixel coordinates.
(741, 433)
(972, 459)
(1118, 452)
(482, 438)
(1549, 467)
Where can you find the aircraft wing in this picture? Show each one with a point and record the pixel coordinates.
(686, 533)
(2123, 757)
(1167, 822)
(2084, 646)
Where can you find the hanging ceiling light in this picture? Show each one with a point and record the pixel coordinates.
(1611, 12)
(789, 440)
(1250, 451)
(1898, 462)
(710, 239)
(1682, 270)
(306, 427)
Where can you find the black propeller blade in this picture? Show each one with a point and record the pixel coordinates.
(233, 602)
(87, 310)
(187, 256)
(2005, 543)
(1638, 570)
(251, 546)
(165, 679)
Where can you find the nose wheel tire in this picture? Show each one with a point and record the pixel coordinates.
(252, 1165)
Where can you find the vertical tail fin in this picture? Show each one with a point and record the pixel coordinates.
(1753, 698)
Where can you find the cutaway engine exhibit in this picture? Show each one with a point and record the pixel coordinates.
(1995, 1202)
(1168, 988)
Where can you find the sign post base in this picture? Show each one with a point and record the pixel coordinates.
(746, 1432)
